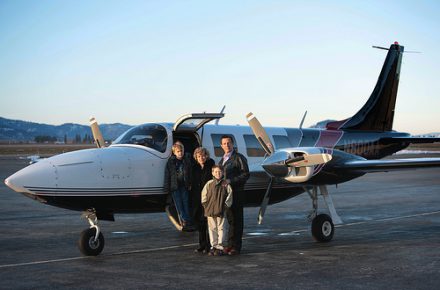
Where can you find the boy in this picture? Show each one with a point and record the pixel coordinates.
(215, 199)
(178, 182)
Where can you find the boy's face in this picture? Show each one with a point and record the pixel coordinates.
(179, 153)
(217, 173)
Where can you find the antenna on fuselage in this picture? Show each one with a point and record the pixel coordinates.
(302, 121)
(396, 43)
(223, 109)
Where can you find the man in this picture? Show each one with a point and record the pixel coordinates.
(236, 173)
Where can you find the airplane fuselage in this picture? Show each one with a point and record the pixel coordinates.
(126, 178)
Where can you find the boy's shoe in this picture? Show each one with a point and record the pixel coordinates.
(199, 250)
(211, 252)
(226, 250)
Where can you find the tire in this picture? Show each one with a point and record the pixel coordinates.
(323, 228)
(87, 245)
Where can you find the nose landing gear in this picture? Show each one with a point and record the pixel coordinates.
(91, 241)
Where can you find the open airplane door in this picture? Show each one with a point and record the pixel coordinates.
(185, 128)
(193, 122)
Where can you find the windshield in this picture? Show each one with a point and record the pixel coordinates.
(153, 136)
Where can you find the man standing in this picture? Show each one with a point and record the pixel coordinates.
(236, 173)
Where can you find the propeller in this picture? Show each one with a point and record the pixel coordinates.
(267, 145)
(308, 160)
(277, 164)
(97, 136)
(260, 134)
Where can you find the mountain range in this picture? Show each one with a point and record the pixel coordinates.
(23, 131)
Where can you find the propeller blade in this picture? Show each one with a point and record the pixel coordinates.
(97, 136)
(260, 133)
(308, 160)
(265, 202)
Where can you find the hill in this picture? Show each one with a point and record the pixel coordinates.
(24, 131)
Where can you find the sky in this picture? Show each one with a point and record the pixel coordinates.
(135, 62)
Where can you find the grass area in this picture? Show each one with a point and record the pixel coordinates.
(43, 150)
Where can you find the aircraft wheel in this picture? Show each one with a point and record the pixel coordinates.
(87, 244)
(323, 228)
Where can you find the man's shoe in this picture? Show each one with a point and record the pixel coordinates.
(199, 250)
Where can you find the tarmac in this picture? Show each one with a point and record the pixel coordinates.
(390, 239)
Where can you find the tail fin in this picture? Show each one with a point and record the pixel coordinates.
(378, 112)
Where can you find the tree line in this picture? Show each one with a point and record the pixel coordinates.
(86, 139)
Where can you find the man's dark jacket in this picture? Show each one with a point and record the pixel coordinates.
(236, 170)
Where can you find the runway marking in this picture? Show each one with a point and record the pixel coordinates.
(43, 262)
(193, 244)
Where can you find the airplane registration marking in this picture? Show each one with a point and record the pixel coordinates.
(193, 244)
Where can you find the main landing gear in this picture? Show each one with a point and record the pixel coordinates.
(91, 241)
(323, 228)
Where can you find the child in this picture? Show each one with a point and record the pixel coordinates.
(215, 199)
(177, 182)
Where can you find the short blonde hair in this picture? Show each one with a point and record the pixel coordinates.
(202, 151)
(178, 145)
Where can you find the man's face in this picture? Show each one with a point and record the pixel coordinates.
(217, 173)
(179, 153)
(227, 145)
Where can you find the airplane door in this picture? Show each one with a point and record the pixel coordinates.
(193, 122)
(184, 130)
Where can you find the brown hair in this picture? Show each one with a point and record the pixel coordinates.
(227, 137)
(217, 166)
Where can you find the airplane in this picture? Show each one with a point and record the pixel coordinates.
(128, 175)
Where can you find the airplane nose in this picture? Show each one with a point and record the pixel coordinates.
(41, 174)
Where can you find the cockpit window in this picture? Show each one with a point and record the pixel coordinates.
(153, 136)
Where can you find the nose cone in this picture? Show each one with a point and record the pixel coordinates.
(275, 166)
(38, 175)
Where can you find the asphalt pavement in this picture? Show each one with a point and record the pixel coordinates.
(390, 239)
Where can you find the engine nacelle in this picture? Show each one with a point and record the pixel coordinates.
(276, 166)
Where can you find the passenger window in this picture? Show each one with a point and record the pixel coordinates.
(216, 138)
(253, 147)
(281, 142)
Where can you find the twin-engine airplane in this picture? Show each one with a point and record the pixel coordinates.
(128, 176)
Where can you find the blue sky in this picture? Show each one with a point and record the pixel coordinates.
(151, 61)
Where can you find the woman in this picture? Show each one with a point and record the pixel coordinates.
(201, 174)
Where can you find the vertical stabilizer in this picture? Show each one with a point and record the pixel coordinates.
(378, 112)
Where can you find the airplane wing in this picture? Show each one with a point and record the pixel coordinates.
(389, 164)
(412, 140)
